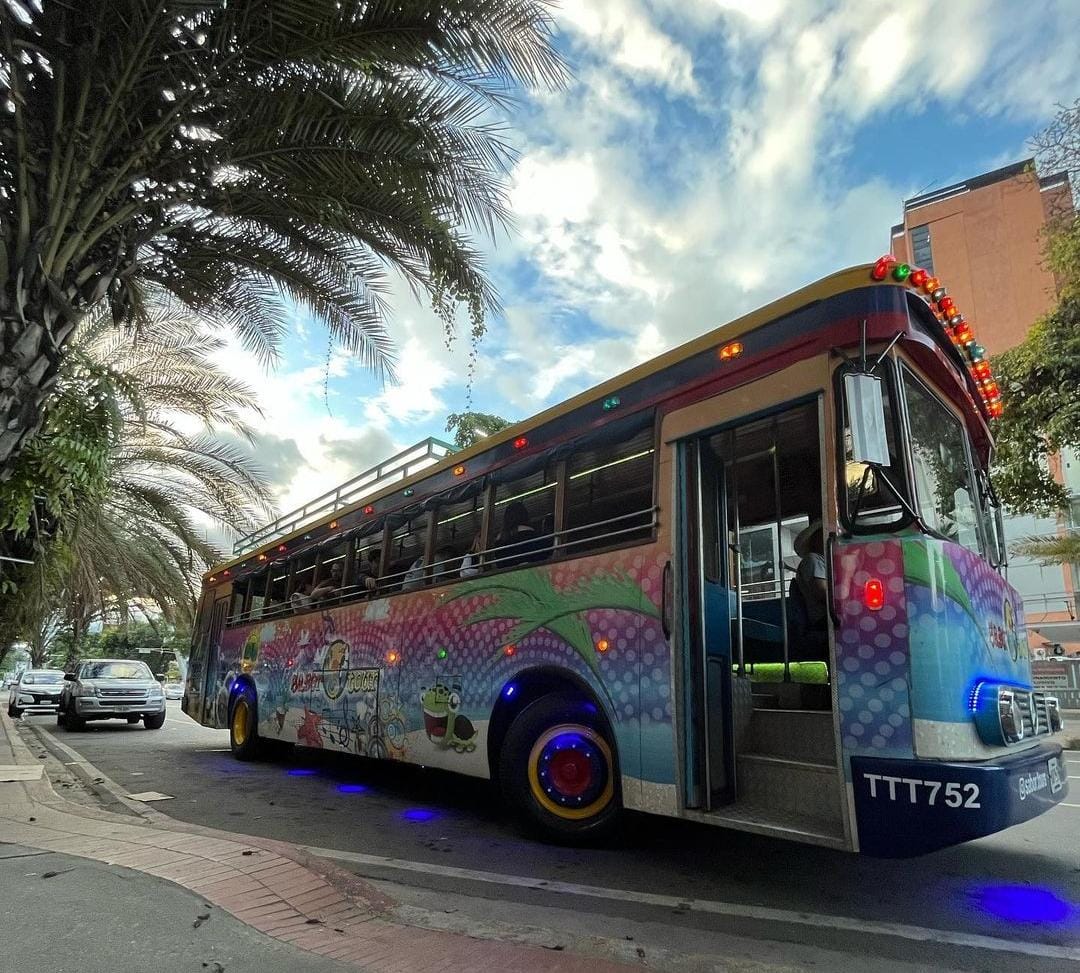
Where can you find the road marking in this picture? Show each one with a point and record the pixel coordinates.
(1064, 804)
(732, 909)
(218, 750)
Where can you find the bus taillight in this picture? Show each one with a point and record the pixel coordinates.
(874, 594)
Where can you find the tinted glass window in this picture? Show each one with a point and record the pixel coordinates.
(523, 525)
(609, 494)
(407, 544)
(944, 490)
(115, 670)
(457, 527)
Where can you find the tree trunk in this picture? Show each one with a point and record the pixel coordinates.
(30, 355)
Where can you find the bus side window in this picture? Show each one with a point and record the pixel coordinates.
(609, 494)
(277, 592)
(457, 526)
(303, 573)
(531, 499)
(407, 545)
(236, 602)
(330, 581)
(258, 596)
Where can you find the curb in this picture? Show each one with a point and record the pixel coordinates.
(272, 886)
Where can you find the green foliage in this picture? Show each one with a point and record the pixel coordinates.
(248, 156)
(1058, 549)
(1040, 381)
(470, 427)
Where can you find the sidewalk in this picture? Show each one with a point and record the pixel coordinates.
(295, 902)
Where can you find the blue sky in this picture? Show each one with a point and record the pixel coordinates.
(709, 156)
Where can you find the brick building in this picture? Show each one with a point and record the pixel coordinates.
(983, 238)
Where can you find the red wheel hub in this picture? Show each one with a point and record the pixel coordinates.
(571, 772)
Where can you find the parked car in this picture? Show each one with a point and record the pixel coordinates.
(35, 691)
(174, 690)
(112, 689)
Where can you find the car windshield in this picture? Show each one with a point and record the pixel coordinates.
(115, 670)
(42, 678)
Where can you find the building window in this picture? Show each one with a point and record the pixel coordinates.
(920, 247)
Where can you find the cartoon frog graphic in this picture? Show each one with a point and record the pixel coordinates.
(444, 725)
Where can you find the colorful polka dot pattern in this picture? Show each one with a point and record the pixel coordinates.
(632, 678)
(872, 650)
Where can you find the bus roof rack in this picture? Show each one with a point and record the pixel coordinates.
(398, 467)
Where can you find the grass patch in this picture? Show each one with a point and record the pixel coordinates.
(814, 673)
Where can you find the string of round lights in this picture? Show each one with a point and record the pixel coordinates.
(951, 320)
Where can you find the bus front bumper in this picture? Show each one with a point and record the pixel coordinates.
(910, 807)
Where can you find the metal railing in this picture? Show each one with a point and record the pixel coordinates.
(532, 550)
(398, 467)
(1055, 602)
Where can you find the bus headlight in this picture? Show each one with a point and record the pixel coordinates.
(1009, 718)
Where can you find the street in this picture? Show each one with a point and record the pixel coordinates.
(681, 891)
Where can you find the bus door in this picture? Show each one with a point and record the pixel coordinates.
(749, 490)
(211, 683)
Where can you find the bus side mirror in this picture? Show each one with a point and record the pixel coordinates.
(865, 406)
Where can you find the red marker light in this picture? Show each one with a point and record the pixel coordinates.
(262, 557)
(369, 509)
(918, 277)
(521, 442)
(225, 573)
(333, 525)
(282, 548)
(874, 594)
(509, 650)
(981, 370)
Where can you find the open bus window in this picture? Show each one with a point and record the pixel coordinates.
(236, 602)
(523, 524)
(407, 544)
(278, 591)
(870, 494)
(303, 576)
(944, 487)
(609, 494)
(258, 595)
(457, 527)
(330, 580)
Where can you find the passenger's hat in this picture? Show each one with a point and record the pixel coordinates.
(805, 537)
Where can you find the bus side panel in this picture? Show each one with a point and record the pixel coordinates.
(415, 677)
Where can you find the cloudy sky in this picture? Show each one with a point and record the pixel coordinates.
(709, 156)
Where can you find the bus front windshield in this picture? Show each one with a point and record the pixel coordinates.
(945, 492)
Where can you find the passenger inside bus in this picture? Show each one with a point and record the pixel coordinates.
(301, 598)
(414, 577)
(808, 595)
(470, 564)
(523, 542)
(367, 571)
(329, 587)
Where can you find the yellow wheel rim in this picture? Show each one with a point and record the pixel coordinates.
(602, 751)
(240, 722)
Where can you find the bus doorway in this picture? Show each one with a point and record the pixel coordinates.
(757, 608)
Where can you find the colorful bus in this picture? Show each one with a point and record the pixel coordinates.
(757, 582)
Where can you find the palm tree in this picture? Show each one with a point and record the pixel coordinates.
(132, 533)
(238, 153)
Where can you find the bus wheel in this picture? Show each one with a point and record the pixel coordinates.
(557, 766)
(244, 726)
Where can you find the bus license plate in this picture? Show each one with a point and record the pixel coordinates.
(1054, 769)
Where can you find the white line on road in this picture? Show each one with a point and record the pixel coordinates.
(733, 909)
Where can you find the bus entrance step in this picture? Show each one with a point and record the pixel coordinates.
(761, 819)
(794, 734)
(809, 790)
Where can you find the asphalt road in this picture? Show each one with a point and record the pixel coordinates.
(1022, 885)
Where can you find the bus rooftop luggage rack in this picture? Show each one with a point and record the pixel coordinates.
(398, 467)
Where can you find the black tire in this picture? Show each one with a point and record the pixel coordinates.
(244, 725)
(59, 717)
(558, 768)
(14, 712)
(154, 721)
(73, 723)
(132, 720)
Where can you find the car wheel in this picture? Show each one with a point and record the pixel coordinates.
(73, 723)
(154, 721)
(132, 720)
(557, 766)
(244, 725)
(14, 712)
